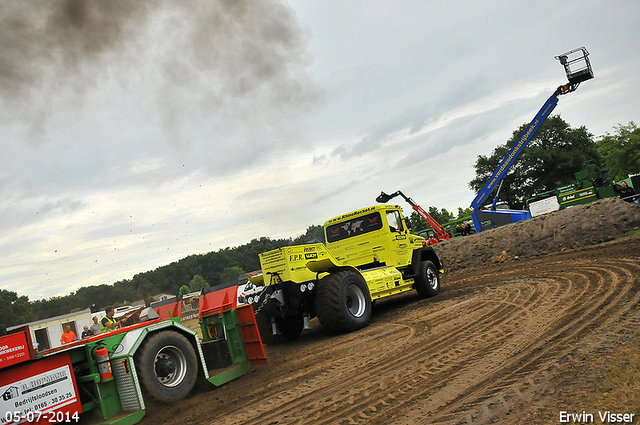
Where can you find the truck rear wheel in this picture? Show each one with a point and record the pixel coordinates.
(428, 280)
(343, 303)
(167, 366)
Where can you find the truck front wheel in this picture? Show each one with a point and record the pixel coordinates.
(428, 280)
(342, 302)
(167, 366)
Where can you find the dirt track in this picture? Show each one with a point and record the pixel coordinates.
(510, 343)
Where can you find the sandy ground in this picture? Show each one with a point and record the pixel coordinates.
(527, 316)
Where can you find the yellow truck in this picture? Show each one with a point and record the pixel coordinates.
(369, 254)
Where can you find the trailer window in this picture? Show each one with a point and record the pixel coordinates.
(356, 226)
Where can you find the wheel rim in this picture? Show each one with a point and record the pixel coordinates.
(356, 303)
(170, 365)
(432, 278)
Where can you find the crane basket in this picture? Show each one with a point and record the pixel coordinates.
(576, 65)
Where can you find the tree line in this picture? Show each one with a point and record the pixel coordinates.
(553, 156)
(551, 159)
(213, 268)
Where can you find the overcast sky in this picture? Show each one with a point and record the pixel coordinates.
(135, 133)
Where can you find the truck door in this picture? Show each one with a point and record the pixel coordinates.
(399, 239)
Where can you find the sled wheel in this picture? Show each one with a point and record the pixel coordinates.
(167, 366)
(343, 303)
(428, 280)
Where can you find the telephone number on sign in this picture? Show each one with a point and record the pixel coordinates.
(53, 417)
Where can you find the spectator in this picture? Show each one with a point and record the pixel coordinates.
(627, 193)
(86, 333)
(95, 327)
(108, 323)
(468, 227)
(68, 335)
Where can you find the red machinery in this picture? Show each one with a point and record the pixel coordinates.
(110, 376)
(440, 232)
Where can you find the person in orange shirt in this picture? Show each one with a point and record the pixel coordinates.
(432, 240)
(68, 335)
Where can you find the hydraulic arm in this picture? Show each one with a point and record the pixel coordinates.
(578, 69)
(515, 151)
(442, 234)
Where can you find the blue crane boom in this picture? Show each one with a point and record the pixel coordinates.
(510, 159)
(578, 69)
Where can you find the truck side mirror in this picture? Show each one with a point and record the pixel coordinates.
(407, 223)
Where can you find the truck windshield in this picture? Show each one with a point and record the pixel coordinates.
(353, 227)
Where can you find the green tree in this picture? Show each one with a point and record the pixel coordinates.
(184, 290)
(230, 274)
(314, 233)
(620, 152)
(198, 283)
(418, 223)
(551, 159)
(14, 310)
(463, 213)
(441, 216)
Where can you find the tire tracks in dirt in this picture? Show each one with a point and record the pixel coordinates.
(543, 356)
(456, 361)
(478, 353)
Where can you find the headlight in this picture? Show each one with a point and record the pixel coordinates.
(303, 287)
(250, 300)
(311, 286)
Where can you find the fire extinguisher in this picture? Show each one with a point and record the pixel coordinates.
(102, 361)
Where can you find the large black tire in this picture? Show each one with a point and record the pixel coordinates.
(167, 366)
(342, 302)
(428, 280)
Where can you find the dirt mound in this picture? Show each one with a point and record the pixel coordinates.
(573, 228)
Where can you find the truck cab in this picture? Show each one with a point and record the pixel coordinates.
(372, 237)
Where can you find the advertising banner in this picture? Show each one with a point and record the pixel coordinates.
(14, 348)
(544, 206)
(39, 391)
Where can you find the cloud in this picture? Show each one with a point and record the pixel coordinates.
(136, 93)
(216, 77)
(233, 47)
(415, 120)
